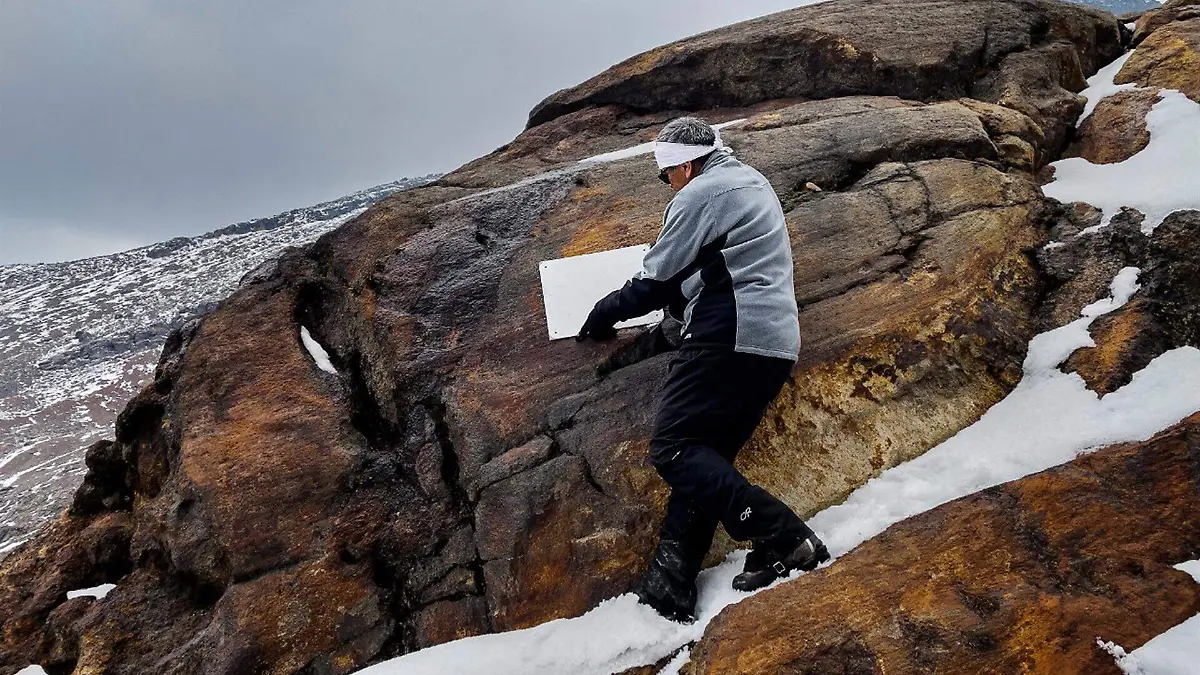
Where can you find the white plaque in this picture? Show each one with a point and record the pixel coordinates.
(571, 287)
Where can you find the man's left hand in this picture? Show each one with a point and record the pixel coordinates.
(599, 325)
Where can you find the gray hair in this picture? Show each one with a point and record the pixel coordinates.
(688, 131)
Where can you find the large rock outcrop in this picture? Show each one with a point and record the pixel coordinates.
(1022, 577)
(1025, 576)
(1172, 10)
(1169, 58)
(925, 50)
(460, 473)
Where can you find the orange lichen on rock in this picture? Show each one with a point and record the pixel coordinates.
(1169, 59)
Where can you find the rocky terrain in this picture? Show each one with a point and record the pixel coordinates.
(456, 474)
(79, 339)
(1018, 578)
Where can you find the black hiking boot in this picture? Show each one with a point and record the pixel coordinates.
(669, 585)
(765, 564)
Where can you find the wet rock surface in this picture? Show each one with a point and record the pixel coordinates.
(460, 474)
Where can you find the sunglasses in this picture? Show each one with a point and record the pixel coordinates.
(662, 175)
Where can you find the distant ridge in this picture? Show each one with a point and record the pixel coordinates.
(323, 211)
(1119, 7)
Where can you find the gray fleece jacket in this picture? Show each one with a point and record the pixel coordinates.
(722, 263)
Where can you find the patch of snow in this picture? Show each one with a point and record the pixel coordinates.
(1050, 418)
(615, 155)
(317, 352)
(673, 666)
(1101, 86)
(31, 670)
(1132, 25)
(641, 149)
(1164, 177)
(1175, 652)
(5, 548)
(1127, 662)
(93, 592)
(1191, 567)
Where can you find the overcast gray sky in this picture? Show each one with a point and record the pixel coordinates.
(127, 122)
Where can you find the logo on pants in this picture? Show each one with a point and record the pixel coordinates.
(745, 514)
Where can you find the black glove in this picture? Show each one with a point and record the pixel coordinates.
(677, 306)
(599, 324)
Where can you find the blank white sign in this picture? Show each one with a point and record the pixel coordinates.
(571, 287)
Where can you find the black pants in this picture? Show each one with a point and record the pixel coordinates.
(711, 404)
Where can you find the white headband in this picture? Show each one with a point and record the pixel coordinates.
(674, 154)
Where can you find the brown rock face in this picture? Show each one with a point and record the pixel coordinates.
(1116, 129)
(1018, 578)
(461, 474)
(847, 48)
(890, 312)
(1169, 58)
(1172, 10)
(1164, 314)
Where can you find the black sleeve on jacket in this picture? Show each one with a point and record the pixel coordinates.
(640, 296)
(674, 253)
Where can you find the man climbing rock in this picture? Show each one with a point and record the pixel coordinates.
(723, 262)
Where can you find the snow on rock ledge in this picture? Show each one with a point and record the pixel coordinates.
(1162, 178)
(317, 352)
(97, 592)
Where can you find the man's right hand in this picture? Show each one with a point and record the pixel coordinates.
(599, 325)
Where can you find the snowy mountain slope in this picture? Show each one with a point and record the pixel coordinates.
(79, 338)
